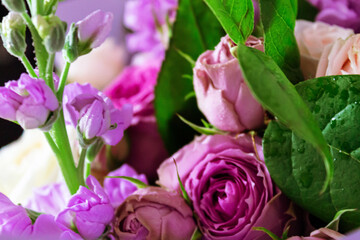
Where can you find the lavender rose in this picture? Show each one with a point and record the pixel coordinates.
(154, 213)
(344, 13)
(118, 189)
(229, 185)
(28, 101)
(221, 92)
(89, 210)
(340, 58)
(15, 224)
(321, 234)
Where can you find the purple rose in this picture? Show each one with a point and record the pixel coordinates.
(229, 186)
(28, 101)
(118, 189)
(49, 199)
(154, 213)
(355, 235)
(344, 13)
(136, 86)
(94, 113)
(15, 224)
(95, 28)
(89, 210)
(221, 92)
(149, 20)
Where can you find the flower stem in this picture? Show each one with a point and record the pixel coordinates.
(81, 164)
(62, 83)
(49, 72)
(87, 168)
(28, 66)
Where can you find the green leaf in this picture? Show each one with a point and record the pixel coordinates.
(202, 130)
(197, 235)
(278, 19)
(306, 11)
(236, 17)
(184, 193)
(276, 94)
(334, 224)
(296, 166)
(195, 30)
(268, 232)
(138, 183)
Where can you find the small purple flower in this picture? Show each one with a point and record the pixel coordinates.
(28, 101)
(344, 13)
(89, 210)
(149, 20)
(94, 113)
(118, 189)
(95, 28)
(15, 224)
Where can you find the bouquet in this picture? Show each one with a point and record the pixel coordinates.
(235, 119)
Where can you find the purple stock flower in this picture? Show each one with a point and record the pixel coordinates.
(344, 13)
(89, 210)
(229, 186)
(15, 224)
(94, 113)
(95, 28)
(118, 189)
(149, 19)
(28, 101)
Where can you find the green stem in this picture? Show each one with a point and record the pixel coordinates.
(66, 163)
(81, 164)
(62, 83)
(49, 72)
(53, 145)
(87, 168)
(28, 66)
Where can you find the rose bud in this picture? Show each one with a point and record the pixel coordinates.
(16, 224)
(340, 58)
(28, 101)
(94, 115)
(89, 210)
(321, 234)
(154, 213)
(221, 92)
(312, 38)
(230, 187)
(118, 189)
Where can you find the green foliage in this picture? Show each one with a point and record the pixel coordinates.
(195, 30)
(278, 19)
(296, 167)
(276, 94)
(237, 17)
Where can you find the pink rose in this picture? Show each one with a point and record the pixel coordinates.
(229, 186)
(340, 58)
(312, 38)
(221, 92)
(321, 234)
(154, 213)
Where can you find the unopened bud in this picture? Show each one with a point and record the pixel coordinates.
(13, 34)
(14, 5)
(52, 30)
(71, 51)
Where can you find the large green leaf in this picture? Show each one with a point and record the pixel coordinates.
(196, 29)
(237, 17)
(276, 94)
(296, 167)
(278, 18)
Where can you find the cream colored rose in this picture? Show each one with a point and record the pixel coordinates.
(99, 67)
(26, 164)
(312, 38)
(343, 57)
